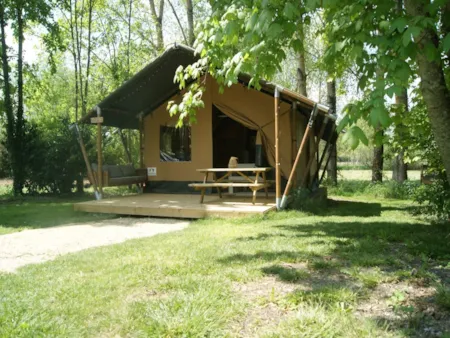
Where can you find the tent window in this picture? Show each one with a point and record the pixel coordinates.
(175, 144)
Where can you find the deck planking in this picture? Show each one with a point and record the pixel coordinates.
(179, 206)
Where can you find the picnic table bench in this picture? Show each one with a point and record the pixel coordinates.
(253, 183)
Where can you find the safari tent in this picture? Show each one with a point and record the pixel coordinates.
(241, 122)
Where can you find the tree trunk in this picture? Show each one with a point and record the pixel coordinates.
(88, 61)
(8, 106)
(126, 146)
(158, 21)
(130, 9)
(190, 17)
(301, 70)
(433, 87)
(179, 23)
(332, 163)
(19, 172)
(399, 172)
(445, 24)
(377, 163)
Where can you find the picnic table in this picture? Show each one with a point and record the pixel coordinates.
(254, 183)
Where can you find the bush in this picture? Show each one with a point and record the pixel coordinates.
(435, 198)
(53, 158)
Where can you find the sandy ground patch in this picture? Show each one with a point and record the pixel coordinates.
(40, 245)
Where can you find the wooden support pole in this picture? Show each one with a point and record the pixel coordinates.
(299, 153)
(294, 136)
(326, 165)
(316, 150)
(316, 176)
(277, 149)
(90, 173)
(99, 154)
(141, 141)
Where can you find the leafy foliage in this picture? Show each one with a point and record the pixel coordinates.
(435, 197)
(53, 160)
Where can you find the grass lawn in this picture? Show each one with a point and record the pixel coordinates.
(366, 175)
(363, 268)
(33, 213)
(17, 214)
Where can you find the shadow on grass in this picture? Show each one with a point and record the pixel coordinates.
(352, 208)
(357, 256)
(43, 212)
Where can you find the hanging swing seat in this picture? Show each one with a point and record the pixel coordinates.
(118, 175)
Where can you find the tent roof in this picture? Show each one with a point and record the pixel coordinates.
(154, 85)
(145, 91)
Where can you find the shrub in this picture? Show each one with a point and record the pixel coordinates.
(435, 198)
(53, 160)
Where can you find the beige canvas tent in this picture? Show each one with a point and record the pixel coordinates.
(234, 123)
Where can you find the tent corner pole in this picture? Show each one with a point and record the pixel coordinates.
(277, 148)
(299, 153)
(99, 156)
(141, 141)
(86, 160)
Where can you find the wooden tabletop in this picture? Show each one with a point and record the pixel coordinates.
(215, 170)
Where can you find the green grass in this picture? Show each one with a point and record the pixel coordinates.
(366, 174)
(28, 212)
(33, 213)
(281, 275)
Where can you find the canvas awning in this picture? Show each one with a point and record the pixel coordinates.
(154, 85)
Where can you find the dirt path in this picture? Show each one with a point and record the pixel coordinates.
(40, 245)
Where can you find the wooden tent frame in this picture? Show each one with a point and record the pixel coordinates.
(281, 202)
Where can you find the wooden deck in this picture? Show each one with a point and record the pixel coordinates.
(179, 206)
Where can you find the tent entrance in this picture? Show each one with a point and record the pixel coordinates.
(231, 138)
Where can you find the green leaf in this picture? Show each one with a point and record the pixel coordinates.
(397, 90)
(252, 22)
(446, 43)
(431, 52)
(290, 10)
(384, 25)
(297, 45)
(403, 73)
(351, 137)
(343, 123)
(275, 30)
(399, 24)
(410, 33)
(339, 45)
(359, 133)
